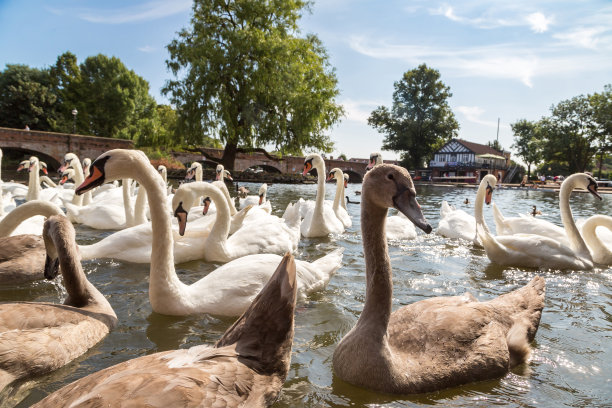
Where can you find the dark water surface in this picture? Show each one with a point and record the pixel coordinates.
(572, 361)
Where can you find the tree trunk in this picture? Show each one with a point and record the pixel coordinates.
(600, 164)
(528, 171)
(229, 155)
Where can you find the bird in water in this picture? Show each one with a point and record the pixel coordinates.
(535, 211)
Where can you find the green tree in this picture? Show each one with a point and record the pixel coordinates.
(420, 120)
(65, 77)
(527, 143)
(250, 81)
(601, 104)
(26, 98)
(111, 100)
(495, 145)
(570, 134)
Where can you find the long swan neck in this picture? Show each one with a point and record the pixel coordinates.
(80, 291)
(140, 206)
(25, 211)
(589, 232)
(339, 193)
(221, 227)
(163, 275)
(33, 185)
(379, 287)
(320, 200)
(78, 179)
(127, 202)
(199, 175)
(478, 206)
(567, 218)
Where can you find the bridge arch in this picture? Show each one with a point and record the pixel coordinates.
(265, 167)
(20, 153)
(354, 177)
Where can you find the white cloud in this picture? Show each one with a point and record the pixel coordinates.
(146, 48)
(473, 114)
(584, 37)
(538, 22)
(502, 61)
(152, 10)
(359, 111)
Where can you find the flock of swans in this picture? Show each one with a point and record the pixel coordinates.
(425, 346)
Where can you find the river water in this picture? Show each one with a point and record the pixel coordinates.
(572, 360)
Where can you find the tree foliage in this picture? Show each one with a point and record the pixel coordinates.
(249, 80)
(420, 120)
(527, 143)
(602, 116)
(570, 134)
(26, 98)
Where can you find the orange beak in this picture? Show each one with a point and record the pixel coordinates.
(307, 168)
(45, 170)
(96, 178)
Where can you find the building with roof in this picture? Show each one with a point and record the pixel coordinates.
(460, 160)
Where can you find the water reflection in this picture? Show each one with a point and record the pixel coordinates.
(572, 360)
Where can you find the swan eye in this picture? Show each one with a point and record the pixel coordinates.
(390, 176)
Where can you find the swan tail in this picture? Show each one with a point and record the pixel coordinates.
(292, 216)
(524, 306)
(500, 221)
(330, 263)
(445, 209)
(264, 333)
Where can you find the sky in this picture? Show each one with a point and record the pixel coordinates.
(503, 60)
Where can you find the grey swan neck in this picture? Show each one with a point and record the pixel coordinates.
(33, 184)
(567, 218)
(379, 286)
(81, 292)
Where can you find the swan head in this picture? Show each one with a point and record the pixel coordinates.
(68, 161)
(375, 158)
(162, 169)
(23, 165)
(191, 171)
(346, 180)
(184, 199)
(67, 175)
(206, 205)
(390, 186)
(219, 172)
(311, 161)
(52, 228)
(86, 163)
(33, 163)
(43, 167)
(335, 173)
(227, 175)
(262, 193)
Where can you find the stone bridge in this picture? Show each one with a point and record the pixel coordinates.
(356, 168)
(51, 147)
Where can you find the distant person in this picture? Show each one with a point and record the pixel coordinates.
(26, 127)
(524, 181)
(543, 179)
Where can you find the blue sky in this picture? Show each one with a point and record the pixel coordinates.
(501, 59)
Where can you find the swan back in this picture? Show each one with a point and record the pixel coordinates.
(32, 208)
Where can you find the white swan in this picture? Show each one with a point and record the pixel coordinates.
(164, 173)
(343, 201)
(36, 338)
(246, 367)
(538, 226)
(110, 214)
(34, 190)
(270, 235)
(257, 200)
(597, 233)
(87, 197)
(535, 251)
(195, 171)
(320, 220)
(399, 227)
(222, 293)
(72, 161)
(375, 159)
(340, 211)
(458, 224)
